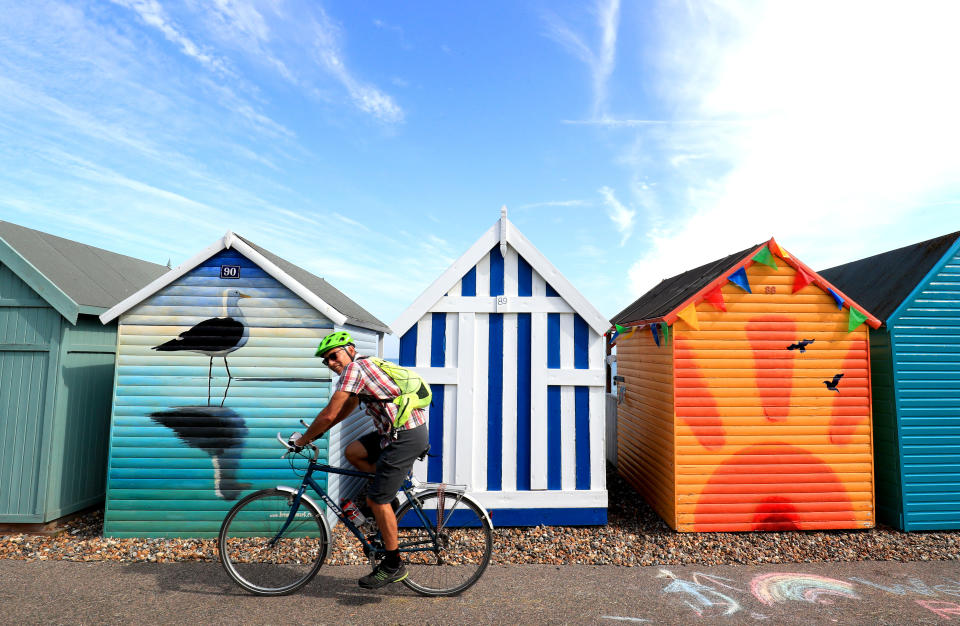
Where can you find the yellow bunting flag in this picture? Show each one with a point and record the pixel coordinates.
(633, 329)
(689, 315)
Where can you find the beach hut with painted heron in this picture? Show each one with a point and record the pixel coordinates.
(514, 356)
(56, 369)
(214, 358)
(915, 373)
(745, 397)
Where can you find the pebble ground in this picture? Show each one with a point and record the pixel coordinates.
(634, 536)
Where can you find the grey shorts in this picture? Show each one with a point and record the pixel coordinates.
(393, 462)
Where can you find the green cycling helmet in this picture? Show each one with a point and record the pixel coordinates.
(334, 340)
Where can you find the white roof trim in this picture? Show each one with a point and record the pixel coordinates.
(229, 240)
(508, 231)
(287, 281)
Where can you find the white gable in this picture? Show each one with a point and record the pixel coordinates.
(227, 241)
(504, 233)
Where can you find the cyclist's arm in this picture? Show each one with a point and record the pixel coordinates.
(340, 406)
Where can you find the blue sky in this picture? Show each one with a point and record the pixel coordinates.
(373, 143)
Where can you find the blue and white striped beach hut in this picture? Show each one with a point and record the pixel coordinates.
(213, 359)
(515, 357)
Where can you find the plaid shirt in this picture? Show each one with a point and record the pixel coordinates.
(366, 379)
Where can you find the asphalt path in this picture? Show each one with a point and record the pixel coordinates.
(62, 592)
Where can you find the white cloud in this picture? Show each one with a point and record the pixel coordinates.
(153, 14)
(621, 216)
(601, 61)
(826, 125)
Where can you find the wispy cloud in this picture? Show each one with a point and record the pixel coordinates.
(825, 146)
(621, 216)
(154, 15)
(554, 203)
(602, 60)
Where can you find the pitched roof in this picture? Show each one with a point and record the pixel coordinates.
(666, 300)
(505, 233)
(314, 290)
(83, 275)
(672, 292)
(355, 313)
(883, 281)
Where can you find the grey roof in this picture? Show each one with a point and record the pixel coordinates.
(89, 276)
(882, 282)
(354, 313)
(672, 292)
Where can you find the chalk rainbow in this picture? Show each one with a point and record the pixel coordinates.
(781, 587)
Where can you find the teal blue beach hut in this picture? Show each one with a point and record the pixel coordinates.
(915, 369)
(56, 369)
(215, 358)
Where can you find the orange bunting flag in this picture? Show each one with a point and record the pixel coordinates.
(776, 249)
(633, 329)
(801, 280)
(715, 297)
(689, 315)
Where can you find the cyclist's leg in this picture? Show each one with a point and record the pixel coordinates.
(392, 468)
(363, 452)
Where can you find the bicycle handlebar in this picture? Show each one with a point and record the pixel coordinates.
(292, 449)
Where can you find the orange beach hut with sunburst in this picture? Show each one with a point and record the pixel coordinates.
(746, 398)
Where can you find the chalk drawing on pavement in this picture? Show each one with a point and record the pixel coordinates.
(781, 587)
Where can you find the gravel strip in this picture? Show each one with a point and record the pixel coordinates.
(635, 535)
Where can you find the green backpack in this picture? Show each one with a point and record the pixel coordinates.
(414, 391)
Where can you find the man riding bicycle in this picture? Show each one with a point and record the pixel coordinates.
(389, 453)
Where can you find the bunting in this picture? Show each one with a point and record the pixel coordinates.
(633, 329)
(776, 249)
(801, 280)
(665, 331)
(766, 258)
(836, 298)
(739, 278)
(856, 318)
(656, 335)
(689, 315)
(715, 297)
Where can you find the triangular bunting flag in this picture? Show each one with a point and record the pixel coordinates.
(715, 297)
(656, 335)
(633, 329)
(739, 278)
(836, 298)
(766, 258)
(801, 280)
(620, 328)
(776, 249)
(665, 331)
(856, 318)
(689, 315)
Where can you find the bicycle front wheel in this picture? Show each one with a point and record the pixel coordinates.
(261, 558)
(446, 552)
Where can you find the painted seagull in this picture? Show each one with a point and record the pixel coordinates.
(832, 384)
(217, 336)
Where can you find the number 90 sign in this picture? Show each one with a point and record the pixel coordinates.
(229, 271)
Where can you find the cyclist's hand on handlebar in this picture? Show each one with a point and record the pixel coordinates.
(295, 443)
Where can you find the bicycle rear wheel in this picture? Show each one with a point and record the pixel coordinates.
(462, 549)
(256, 558)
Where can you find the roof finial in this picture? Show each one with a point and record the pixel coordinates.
(503, 230)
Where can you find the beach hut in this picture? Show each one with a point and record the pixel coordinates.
(915, 371)
(215, 358)
(56, 369)
(514, 356)
(746, 398)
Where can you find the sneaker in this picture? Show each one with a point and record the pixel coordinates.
(382, 576)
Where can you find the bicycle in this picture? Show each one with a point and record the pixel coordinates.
(274, 541)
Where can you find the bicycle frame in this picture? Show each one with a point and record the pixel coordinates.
(408, 490)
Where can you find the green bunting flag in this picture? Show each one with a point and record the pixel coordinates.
(766, 258)
(665, 331)
(856, 318)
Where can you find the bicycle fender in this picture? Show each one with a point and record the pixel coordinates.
(310, 501)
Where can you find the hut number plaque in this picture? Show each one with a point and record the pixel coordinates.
(503, 304)
(229, 271)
